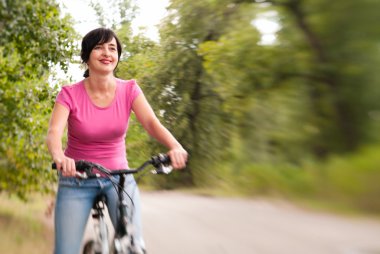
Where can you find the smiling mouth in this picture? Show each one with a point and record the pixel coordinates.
(106, 61)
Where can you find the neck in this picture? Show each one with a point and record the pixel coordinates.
(98, 83)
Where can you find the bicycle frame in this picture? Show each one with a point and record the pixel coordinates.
(123, 242)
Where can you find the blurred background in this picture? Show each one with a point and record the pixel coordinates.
(272, 98)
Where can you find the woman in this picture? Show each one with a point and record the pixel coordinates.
(97, 110)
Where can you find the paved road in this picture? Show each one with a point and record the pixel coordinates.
(178, 223)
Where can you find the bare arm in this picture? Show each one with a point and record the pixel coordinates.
(57, 125)
(153, 126)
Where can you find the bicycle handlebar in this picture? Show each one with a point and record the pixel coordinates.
(160, 162)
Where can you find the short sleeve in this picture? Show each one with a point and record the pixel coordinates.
(131, 90)
(135, 90)
(64, 98)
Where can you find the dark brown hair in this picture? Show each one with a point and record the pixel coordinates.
(96, 37)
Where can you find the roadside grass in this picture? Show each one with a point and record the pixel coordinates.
(23, 226)
(346, 185)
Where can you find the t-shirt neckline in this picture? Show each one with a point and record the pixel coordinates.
(93, 104)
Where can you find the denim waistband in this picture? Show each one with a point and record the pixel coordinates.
(93, 182)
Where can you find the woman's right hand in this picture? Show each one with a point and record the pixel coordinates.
(66, 165)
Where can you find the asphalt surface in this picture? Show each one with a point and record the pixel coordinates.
(178, 223)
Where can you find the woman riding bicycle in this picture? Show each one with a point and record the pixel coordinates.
(96, 111)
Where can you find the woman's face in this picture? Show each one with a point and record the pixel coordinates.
(103, 58)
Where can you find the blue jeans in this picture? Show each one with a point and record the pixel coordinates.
(75, 198)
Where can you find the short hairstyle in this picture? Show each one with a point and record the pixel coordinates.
(96, 37)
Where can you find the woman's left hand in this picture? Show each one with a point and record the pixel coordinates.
(178, 157)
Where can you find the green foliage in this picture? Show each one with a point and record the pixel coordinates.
(348, 181)
(137, 143)
(181, 89)
(35, 32)
(35, 38)
(353, 179)
(317, 53)
(252, 114)
(24, 166)
(114, 12)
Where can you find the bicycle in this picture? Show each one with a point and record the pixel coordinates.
(122, 242)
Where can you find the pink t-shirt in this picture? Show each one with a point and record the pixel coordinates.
(97, 134)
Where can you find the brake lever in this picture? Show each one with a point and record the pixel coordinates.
(162, 169)
(81, 175)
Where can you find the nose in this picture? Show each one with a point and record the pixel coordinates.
(106, 52)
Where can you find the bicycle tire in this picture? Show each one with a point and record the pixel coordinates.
(90, 248)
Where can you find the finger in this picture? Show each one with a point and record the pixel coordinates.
(175, 160)
(66, 168)
(70, 167)
(58, 164)
(182, 159)
(179, 161)
(63, 168)
(178, 158)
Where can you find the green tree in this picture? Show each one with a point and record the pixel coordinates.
(318, 57)
(229, 97)
(34, 39)
(114, 13)
(182, 91)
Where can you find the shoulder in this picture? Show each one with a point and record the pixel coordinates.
(129, 89)
(126, 83)
(70, 93)
(129, 86)
(72, 88)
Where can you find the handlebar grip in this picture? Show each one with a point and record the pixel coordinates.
(160, 159)
(80, 165)
(165, 159)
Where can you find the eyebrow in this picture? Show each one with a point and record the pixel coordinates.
(111, 44)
